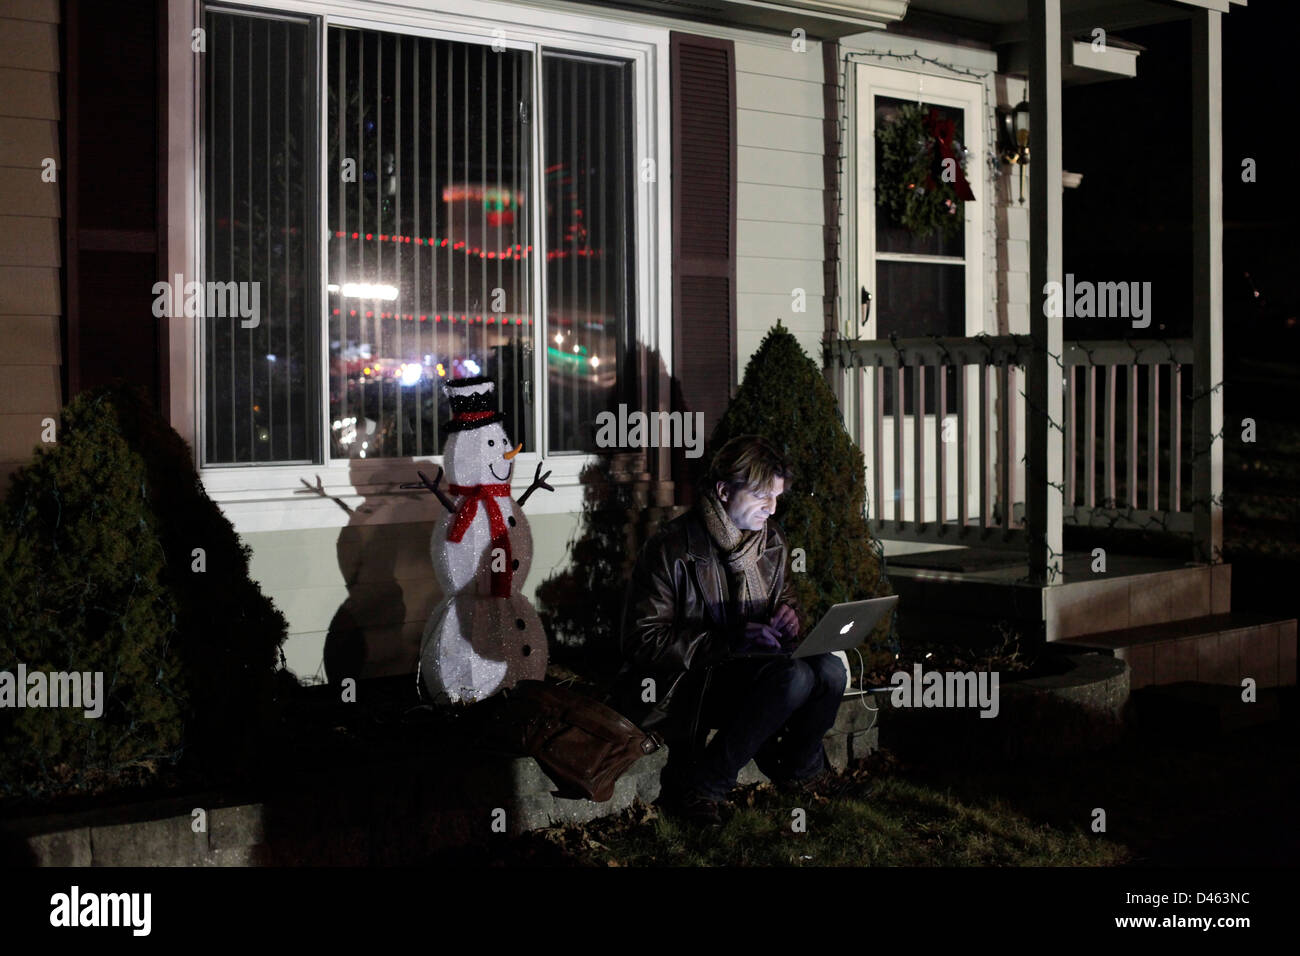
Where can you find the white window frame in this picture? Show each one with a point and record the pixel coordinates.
(944, 91)
(268, 497)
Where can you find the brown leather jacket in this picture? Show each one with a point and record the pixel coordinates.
(677, 622)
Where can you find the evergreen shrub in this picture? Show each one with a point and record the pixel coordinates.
(81, 590)
(98, 571)
(784, 398)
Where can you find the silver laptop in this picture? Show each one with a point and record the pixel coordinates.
(845, 625)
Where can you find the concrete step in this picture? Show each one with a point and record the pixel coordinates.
(1112, 602)
(1210, 649)
(1133, 592)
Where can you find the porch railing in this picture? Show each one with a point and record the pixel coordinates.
(941, 424)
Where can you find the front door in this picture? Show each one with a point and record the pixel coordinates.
(918, 286)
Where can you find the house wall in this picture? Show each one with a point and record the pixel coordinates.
(779, 193)
(378, 571)
(379, 575)
(30, 252)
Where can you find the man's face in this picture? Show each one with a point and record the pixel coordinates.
(749, 509)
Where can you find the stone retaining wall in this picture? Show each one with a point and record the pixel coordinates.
(396, 813)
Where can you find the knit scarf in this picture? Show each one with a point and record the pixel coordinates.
(502, 581)
(741, 548)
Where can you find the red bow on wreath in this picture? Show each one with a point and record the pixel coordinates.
(943, 130)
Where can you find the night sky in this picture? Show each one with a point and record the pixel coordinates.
(1131, 217)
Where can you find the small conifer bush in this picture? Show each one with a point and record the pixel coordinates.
(81, 591)
(114, 559)
(784, 398)
(583, 603)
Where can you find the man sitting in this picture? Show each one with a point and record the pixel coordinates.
(709, 621)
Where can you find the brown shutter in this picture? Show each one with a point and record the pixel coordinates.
(112, 184)
(703, 84)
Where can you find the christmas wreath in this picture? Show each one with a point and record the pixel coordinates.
(920, 189)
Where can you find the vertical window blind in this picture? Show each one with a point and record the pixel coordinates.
(430, 225)
(259, 203)
(589, 310)
(429, 236)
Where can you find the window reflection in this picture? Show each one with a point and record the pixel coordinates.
(428, 237)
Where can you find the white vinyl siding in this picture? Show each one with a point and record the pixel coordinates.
(778, 193)
(382, 575)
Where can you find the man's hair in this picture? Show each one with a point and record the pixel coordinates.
(747, 461)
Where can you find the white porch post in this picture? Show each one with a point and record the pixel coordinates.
(1207, 283)
(1044, 377)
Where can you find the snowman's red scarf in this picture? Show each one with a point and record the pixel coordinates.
(473, 494)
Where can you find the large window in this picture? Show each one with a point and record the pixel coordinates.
(260, 352)
(476, 210)
(588, 150)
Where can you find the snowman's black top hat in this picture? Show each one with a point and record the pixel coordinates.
(472, 406)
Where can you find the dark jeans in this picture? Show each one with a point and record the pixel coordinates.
(773, 710)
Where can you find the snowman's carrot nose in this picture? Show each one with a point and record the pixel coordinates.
(511, 454)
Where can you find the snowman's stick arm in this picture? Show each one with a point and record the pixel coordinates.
(539, 481)
(433, 486)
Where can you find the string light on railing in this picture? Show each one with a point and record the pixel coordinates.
(1022, 350)
(849, 332)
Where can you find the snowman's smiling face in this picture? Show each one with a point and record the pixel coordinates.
(479, 456)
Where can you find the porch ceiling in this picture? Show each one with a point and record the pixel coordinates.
(823, 19)
(1005, 21)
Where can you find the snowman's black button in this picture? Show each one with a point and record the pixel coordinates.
(515, 564)
(527, 650)
(512, 521)
(519, 623)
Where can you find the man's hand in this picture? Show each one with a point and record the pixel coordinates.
(786, 621)
(758, 638)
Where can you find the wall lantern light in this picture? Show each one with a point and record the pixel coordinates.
(1013, 139)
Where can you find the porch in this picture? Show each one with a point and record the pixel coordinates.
(942, 422)
(1066, 490)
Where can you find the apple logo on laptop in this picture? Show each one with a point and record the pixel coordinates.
(847, 627)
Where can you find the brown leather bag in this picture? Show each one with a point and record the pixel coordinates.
(583, 745)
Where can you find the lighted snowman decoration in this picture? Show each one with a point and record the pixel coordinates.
(484, 636)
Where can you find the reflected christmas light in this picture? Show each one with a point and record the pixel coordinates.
(363, 290)
(347, 429)
(411, 373)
